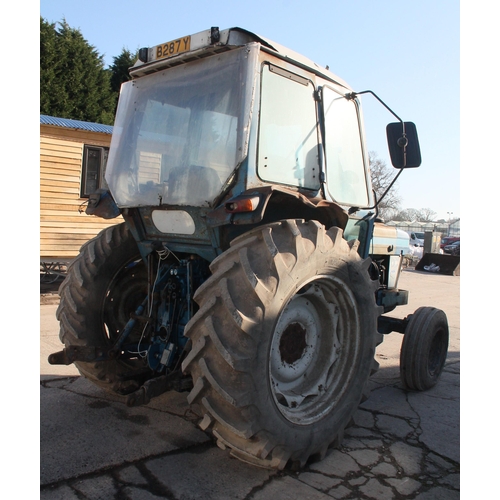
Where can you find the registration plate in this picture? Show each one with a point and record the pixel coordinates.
(173, 48)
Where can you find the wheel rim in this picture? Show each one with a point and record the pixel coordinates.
(126, 291)
(313, 350)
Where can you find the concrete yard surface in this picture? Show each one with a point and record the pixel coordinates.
(402, 444)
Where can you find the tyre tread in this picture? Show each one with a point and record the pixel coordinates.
(232, 303)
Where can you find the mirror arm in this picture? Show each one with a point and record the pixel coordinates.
(377, 202)
(402, 141)
(353, 95)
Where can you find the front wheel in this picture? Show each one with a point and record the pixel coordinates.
(424, 348)
(283, 342)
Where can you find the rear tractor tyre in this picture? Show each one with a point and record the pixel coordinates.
(105, 283)
(283, 343)
(424, 348)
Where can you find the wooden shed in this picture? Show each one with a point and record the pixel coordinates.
(73, 157)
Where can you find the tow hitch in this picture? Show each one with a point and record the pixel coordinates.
(74, 353)
(90, 354)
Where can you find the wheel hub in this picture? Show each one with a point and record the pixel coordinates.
(309, 349)
(293, 343)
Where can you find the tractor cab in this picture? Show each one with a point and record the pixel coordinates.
(218, 130)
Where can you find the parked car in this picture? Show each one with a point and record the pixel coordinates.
(417, 239)
(448, 240)
(453, 249)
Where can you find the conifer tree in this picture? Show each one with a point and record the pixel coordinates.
(73, 81)
(49, 85)
(119, 69)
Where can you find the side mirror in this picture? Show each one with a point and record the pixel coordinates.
(403, 145)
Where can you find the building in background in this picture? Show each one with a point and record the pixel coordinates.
(73, 157)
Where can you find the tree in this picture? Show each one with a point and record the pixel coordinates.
(49, 83)
(427, 215)
(119, 69)
(408, 214)
(414, 215)
(73, 81)
(382, 176)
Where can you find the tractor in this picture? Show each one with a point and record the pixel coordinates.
(245, 272)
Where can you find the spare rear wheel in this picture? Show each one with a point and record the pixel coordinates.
(283, 343)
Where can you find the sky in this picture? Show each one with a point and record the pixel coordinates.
(408, 53)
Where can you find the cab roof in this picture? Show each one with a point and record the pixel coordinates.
(213, 41)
